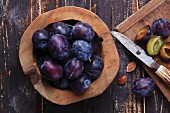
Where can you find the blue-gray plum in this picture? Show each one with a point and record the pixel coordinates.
(82, 50)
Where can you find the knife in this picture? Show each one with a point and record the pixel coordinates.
(161, 71)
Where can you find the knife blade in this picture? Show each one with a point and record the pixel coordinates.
(161, 71)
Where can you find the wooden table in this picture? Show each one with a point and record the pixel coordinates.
(17, 94)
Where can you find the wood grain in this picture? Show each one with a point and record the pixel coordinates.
(13, 83)
(16, 91)
(129, 22)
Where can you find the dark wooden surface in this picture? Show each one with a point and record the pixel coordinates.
(17, 94)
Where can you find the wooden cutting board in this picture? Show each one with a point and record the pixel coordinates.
(145, 16)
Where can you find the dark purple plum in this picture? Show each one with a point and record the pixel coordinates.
(96, 45)
(93, 68)
(82, 50)
(42, 59)
(40, 39)
(73, 68)
(81, 84)
(161, 27)
(59, 47)
(51, 70)
(143, 86)
(63, 83)
(61, 28)
(83, 31)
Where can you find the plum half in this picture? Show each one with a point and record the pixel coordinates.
(61, 28)
(143, 35)
(63, 83)
(154, 44)
(165, 51)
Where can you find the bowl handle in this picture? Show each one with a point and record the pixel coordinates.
(34, 73)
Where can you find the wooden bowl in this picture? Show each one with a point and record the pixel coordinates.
(109, 52)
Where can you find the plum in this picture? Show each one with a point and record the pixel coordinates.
(83, 31)
(63, 83)
(165, 51)
(82, 50)
(51, 70)
(59, 47)
(73, 68)
(143, 86)
(40, 39)
(154, 44)
(81, 84)
(61, 28)
(161, 27)
(96, 44)
(93, 68)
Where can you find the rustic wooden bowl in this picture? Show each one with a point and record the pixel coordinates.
(109, 52)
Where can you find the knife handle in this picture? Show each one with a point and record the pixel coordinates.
(164, 74)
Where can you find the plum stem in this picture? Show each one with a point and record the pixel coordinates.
(89, 59)
(70, 25)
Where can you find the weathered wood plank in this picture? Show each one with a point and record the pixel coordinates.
(159, 102)
(16, 92)
(127, 102)
(124, 26)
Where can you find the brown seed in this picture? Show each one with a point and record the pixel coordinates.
(122, 80)
(131, 67)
